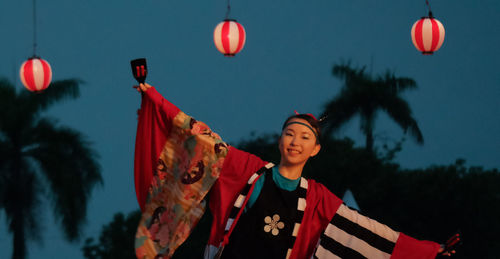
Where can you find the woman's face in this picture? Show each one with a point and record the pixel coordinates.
(297, 143)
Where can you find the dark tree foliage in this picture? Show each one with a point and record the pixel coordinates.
(116, 239)
(365, 95)
(41, 159)
(451, 198)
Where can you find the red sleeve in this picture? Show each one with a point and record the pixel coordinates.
(237, 169)
(316, 223)
(411, 248)
(155, 122)
(321, 207)
(177, 161)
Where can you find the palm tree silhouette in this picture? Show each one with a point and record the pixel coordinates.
(37, 158)
(364, 95)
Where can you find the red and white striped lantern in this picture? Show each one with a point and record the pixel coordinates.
(427, 35)
(36, 74)
(229, 37)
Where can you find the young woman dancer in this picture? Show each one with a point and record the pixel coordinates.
(260, 210)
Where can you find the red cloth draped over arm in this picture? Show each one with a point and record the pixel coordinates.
(411, 248)
(177, 160)
(155, 122)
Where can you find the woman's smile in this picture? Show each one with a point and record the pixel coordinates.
(297, 143)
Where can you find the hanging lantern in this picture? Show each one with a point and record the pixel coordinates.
(229, 37)
(427, 35)
(36, 74)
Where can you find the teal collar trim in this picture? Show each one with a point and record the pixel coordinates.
(283, 182)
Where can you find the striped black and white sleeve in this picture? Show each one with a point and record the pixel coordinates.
(352, 235)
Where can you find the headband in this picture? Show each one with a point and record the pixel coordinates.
(301, 123)
(308, 114)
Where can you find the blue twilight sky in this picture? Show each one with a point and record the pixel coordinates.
(284, 66)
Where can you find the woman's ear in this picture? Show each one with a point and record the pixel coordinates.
(316, 150)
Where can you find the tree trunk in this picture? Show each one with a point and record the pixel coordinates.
(369, 141)
(19, 243)
(17, 223)
(367, 119)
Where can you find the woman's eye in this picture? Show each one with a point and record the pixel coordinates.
(288, 134)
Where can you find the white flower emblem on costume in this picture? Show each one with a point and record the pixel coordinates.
(273, 224)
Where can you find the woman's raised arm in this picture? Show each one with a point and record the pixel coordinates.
(177, 160)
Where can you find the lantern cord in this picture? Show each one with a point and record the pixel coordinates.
(34, 28)
(228, 9)
(429, 6)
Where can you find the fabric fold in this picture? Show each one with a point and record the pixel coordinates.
(177, 160)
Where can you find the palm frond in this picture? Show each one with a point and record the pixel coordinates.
(7, 89)
(338, 111)
(397, 84)
(399, 110)
(361, 93)
(69, 165)
(57, 91)
(7, 101)
(345, 72)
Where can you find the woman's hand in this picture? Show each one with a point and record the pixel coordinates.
(442, 251)
(142, 87)
(448, 249)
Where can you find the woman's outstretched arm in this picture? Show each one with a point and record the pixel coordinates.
(177, 160)
(350, 234)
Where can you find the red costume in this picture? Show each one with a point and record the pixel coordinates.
(178, 160)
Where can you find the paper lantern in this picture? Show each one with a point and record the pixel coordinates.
(36, 74)
(229, 37)
(427, 35)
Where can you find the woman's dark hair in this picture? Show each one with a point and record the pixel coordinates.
(310, 119)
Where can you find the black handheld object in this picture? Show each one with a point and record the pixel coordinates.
(139, 69)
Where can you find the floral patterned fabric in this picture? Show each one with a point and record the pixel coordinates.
(188, 166)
